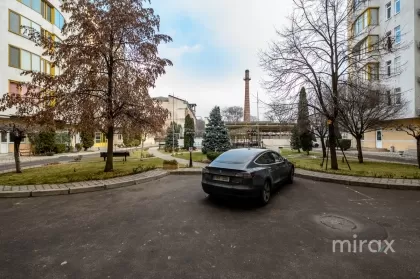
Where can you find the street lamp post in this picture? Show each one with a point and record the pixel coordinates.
(190, 132)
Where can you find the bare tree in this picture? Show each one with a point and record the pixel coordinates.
(319, 129)
(108, 60)
(233, 114)
(412, 129)
(280, 112)
(366, 106)
(316, 51)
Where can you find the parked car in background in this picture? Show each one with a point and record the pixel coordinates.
(247, 172)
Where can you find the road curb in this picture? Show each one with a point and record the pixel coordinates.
(350, 182)
(73, 189)
(353, 181)
(191, 172)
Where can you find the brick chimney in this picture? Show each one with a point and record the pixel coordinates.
(247, 109)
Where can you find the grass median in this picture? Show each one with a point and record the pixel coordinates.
(368, 168)
(87, 169)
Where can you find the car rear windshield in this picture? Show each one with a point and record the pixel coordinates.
(235, 157)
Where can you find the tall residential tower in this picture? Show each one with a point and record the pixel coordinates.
(400, 20)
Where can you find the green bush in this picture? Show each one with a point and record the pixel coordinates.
(87, 140)
(60, 148)
(213, 155)
(135, 143)
(170, 162)
(43, 142)
(345, 143)
(78, 147)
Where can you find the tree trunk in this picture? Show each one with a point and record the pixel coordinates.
(142, 148)
(109, 166)
(332, 142)
(324, 148)
(418, 151)
(359, 149)
(16, 145)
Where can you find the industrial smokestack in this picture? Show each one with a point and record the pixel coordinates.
(247, 109)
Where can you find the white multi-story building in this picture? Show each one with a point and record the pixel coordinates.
(18, 53)
(178, 109)
(399, 19)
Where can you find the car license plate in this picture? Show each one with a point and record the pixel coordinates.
(221, 178)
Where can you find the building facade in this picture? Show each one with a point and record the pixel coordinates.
(371, 20)
(18, 52)
(178, 109)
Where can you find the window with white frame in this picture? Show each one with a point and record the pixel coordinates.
(388, 10)
(388, 68)
(397, 32)
(397, 6)
(398, 96)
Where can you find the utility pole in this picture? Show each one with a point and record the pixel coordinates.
(173, 123)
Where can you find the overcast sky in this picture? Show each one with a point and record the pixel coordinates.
(214, 42)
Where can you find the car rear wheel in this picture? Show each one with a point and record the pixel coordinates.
(265, 193)
(291, 176)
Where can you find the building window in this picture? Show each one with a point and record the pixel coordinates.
(388, 68)
(14, 57)
(47, 11)
(397, 32)
(388, 97)
(397, 62)
(14, 22)
(16, 88)
(36, 63)
(97, 137)
(58, 19)
(397, 6)
(388, 10)
(398, 96)
(368, 18)
(25, 60)
(17, 24)
(22, 59)
(36, 5)
(119, 137)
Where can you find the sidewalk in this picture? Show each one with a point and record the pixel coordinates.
(158, 154)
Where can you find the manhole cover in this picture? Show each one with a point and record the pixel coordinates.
(338, 223)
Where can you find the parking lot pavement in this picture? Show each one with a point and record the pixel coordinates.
(170, 229)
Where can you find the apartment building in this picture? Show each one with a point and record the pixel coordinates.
(400, 19)
(18, 53)
(178, 109)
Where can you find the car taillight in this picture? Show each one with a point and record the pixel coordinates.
(245, 175)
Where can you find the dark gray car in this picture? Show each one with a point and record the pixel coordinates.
(247, 172)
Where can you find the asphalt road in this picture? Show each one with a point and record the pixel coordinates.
(170, 229)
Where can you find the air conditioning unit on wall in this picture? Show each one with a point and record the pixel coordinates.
(418, 12)
(418, 44)
(418, 111)
(418, 79)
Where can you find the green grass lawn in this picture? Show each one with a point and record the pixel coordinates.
(196, 156)
(370, 169)
(89, 169)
